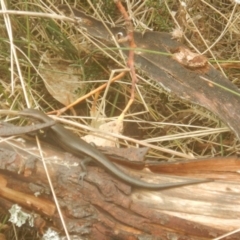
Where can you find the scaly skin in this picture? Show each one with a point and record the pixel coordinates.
(73, 144)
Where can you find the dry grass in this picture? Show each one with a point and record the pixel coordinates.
(155, 118)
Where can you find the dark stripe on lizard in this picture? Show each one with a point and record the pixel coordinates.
(73, 144)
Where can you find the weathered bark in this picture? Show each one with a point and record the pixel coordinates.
(102, 207)
(204, 86)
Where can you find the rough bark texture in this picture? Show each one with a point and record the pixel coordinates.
(102, 207)
(204, 86)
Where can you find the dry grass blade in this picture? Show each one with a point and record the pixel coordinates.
(171, 127)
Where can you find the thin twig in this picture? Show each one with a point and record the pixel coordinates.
(132, 46)
(62, 110)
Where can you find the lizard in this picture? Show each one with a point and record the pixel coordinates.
(73, 144)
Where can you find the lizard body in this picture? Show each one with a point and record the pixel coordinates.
(73, 144)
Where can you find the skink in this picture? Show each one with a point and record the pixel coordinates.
(73, 144)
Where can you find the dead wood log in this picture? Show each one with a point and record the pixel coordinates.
(102, 207)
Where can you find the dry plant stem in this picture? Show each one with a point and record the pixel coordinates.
(227, 234)
(36, 14)
(96, 95)
(62, 110)
(13, 55)
(132, 46)
(52, 189)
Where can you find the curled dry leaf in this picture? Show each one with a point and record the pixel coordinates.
(189, 59)
(104, 140)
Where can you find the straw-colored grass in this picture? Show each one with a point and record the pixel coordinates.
(156, 118)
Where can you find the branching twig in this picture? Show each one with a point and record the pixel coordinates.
(132, 46)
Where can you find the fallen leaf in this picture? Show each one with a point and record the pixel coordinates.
(61, 80)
